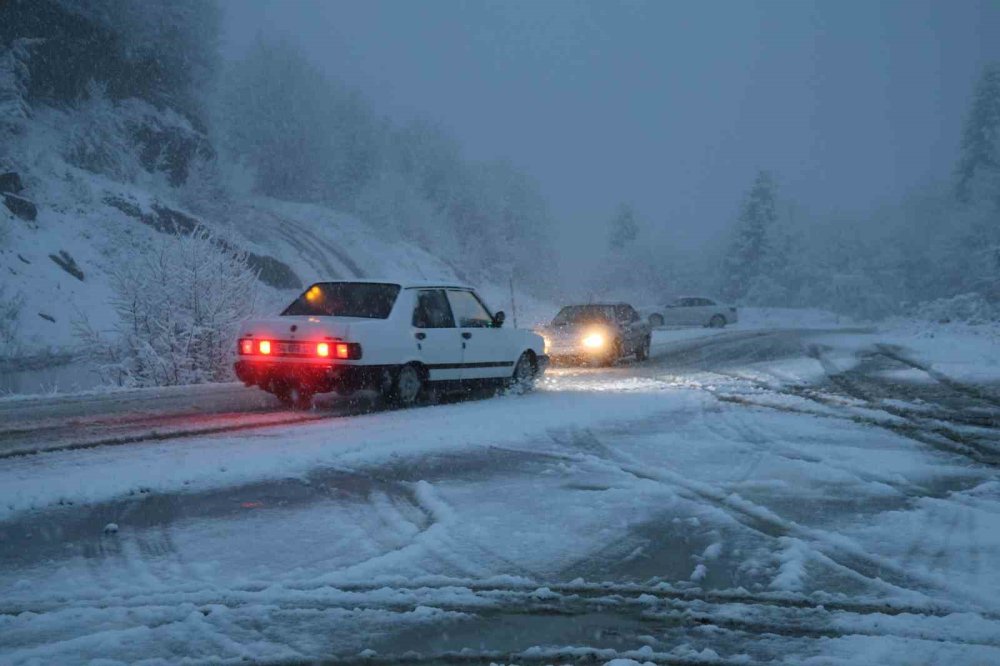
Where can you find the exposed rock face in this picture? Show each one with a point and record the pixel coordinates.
(23, 208)
(166, 220)
(10, 183)
(67, 263)
(170, 149)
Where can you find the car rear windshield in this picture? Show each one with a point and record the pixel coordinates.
(583, 314)
(370, 300)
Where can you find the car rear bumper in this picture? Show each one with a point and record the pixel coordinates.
(312, 377)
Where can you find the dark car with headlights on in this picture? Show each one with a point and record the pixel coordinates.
(599, 333)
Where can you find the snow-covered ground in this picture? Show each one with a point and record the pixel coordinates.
(755, 495)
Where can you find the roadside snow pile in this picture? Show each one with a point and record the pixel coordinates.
(966, 308)
(752, 317)
(961, 352)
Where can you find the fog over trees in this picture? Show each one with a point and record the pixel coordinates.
(273, 121)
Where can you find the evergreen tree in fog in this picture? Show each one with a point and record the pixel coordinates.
(750, 255)
(980, 156)
(624, 228)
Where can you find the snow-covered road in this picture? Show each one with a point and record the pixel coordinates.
(748, 496)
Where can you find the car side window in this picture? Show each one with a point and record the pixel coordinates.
(469, 311)
(626, 313)
(707, 301)
(432, 310)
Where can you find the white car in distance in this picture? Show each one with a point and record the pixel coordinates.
(395, 338)
(692, 311)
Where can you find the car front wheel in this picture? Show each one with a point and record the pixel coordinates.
(656, 320)
(523, 379)
(718, 321)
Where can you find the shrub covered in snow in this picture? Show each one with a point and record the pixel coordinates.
(11, 304)
(179, 306)
(966, 308)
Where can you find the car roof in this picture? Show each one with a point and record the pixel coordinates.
(405, 284)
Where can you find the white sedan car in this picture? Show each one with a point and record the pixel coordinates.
(397, 339)
(692, 311)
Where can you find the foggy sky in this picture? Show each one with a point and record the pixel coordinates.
(670, 105)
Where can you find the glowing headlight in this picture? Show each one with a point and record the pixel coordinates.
(593, 341)
(545, 345)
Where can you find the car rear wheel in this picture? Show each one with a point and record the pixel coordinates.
(717, 321)
(408, 387)
(656, 320)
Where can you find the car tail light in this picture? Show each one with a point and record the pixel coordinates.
(323, 349)
(350, 351)
(246, 346)
(264, 347)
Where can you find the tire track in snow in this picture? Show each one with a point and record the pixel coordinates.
(841, 553)
(893, 352)
(925, 428)
(665, 613)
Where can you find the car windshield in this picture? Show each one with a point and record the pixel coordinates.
(370, 300)
(584, 314)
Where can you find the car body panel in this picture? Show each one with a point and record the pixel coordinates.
(692, 311)
(620, 325)
(447, 354)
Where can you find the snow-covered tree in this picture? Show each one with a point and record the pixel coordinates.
(98, 139)
(751, 254)
(11, 303)
(980, 152)
(14, 79)
(308, 138)
(179, 307)
(623, 227)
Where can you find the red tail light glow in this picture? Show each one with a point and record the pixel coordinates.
(323, 349)
(343, 350)
(246, 346)
(264, 347)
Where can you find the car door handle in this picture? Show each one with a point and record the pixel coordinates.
(466, 335)
(420, 335)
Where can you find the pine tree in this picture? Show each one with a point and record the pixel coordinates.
(624, 227)
(750, 256)
(980, 152)
(14, 79)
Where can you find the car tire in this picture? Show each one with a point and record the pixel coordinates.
(408, 386)
(656, 320)
(525, 373)
(642, 353)
(717, 321)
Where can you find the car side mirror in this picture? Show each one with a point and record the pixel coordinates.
(499, 318)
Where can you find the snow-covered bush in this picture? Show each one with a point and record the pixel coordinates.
(10, 315)
(99, 139)
(179, 307)
(966, 308)
(14, 79)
